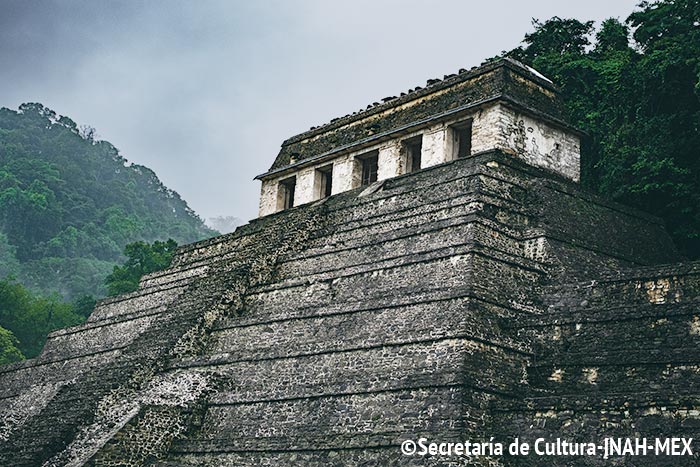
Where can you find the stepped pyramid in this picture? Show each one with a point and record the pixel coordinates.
(469, 293)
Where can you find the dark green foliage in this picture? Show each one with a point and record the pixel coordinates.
(639, 102)
(559, 37)
(613, 36)
(30, 318)
(142, 259)
(70, 204)
(8, 261)
(83, 306)
(8, 347)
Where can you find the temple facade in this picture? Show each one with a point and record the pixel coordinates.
(503, 105)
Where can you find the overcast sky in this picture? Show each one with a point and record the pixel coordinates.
(205, 91)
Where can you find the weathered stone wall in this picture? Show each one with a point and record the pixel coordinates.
(617, 357)
(533, 140)
(370, 322)
(392, 161)
(268, 197)
(468, 299)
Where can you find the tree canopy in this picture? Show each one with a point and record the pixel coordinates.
(69, 204)
(142, 259)
(8, 347)
(71, 210)
(26, 319)
(634, 87)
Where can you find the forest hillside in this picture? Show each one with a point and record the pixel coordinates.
(69, 204)
(76, 222)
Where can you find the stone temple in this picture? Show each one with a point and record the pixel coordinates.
(426, 268)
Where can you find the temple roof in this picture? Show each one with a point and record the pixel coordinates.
(504, 80)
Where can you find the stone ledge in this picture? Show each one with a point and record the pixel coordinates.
(294, 264)
(466, 249)
(612, 314)
(598, 402)
(224, 359)
(310, 312)
(638, 356)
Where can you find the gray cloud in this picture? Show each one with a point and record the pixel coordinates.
(204, 92)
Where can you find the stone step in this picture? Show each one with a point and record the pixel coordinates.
(409, 365)
(637, 286)
(259, 315)
(347, 370)
(359, 232)
(21, 377)
(614, 313)
(396, 245)
(610, 379)
(634, 355)
(644, 334)
(340, 421)
(391, 206)
(580, 218)
(173, 275)
(331, 330)
(418, 276)
(141, 301)
(248, 240)
(652, 402)
(371, 455)
(644, 327)
(97, 336)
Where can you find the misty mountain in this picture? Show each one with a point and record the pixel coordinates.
(70, 203)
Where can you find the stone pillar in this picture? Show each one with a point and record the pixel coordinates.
(434, 149)
(487, 129)
(391, 163)
(268, 197)
(344, 174)
(304, 190)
